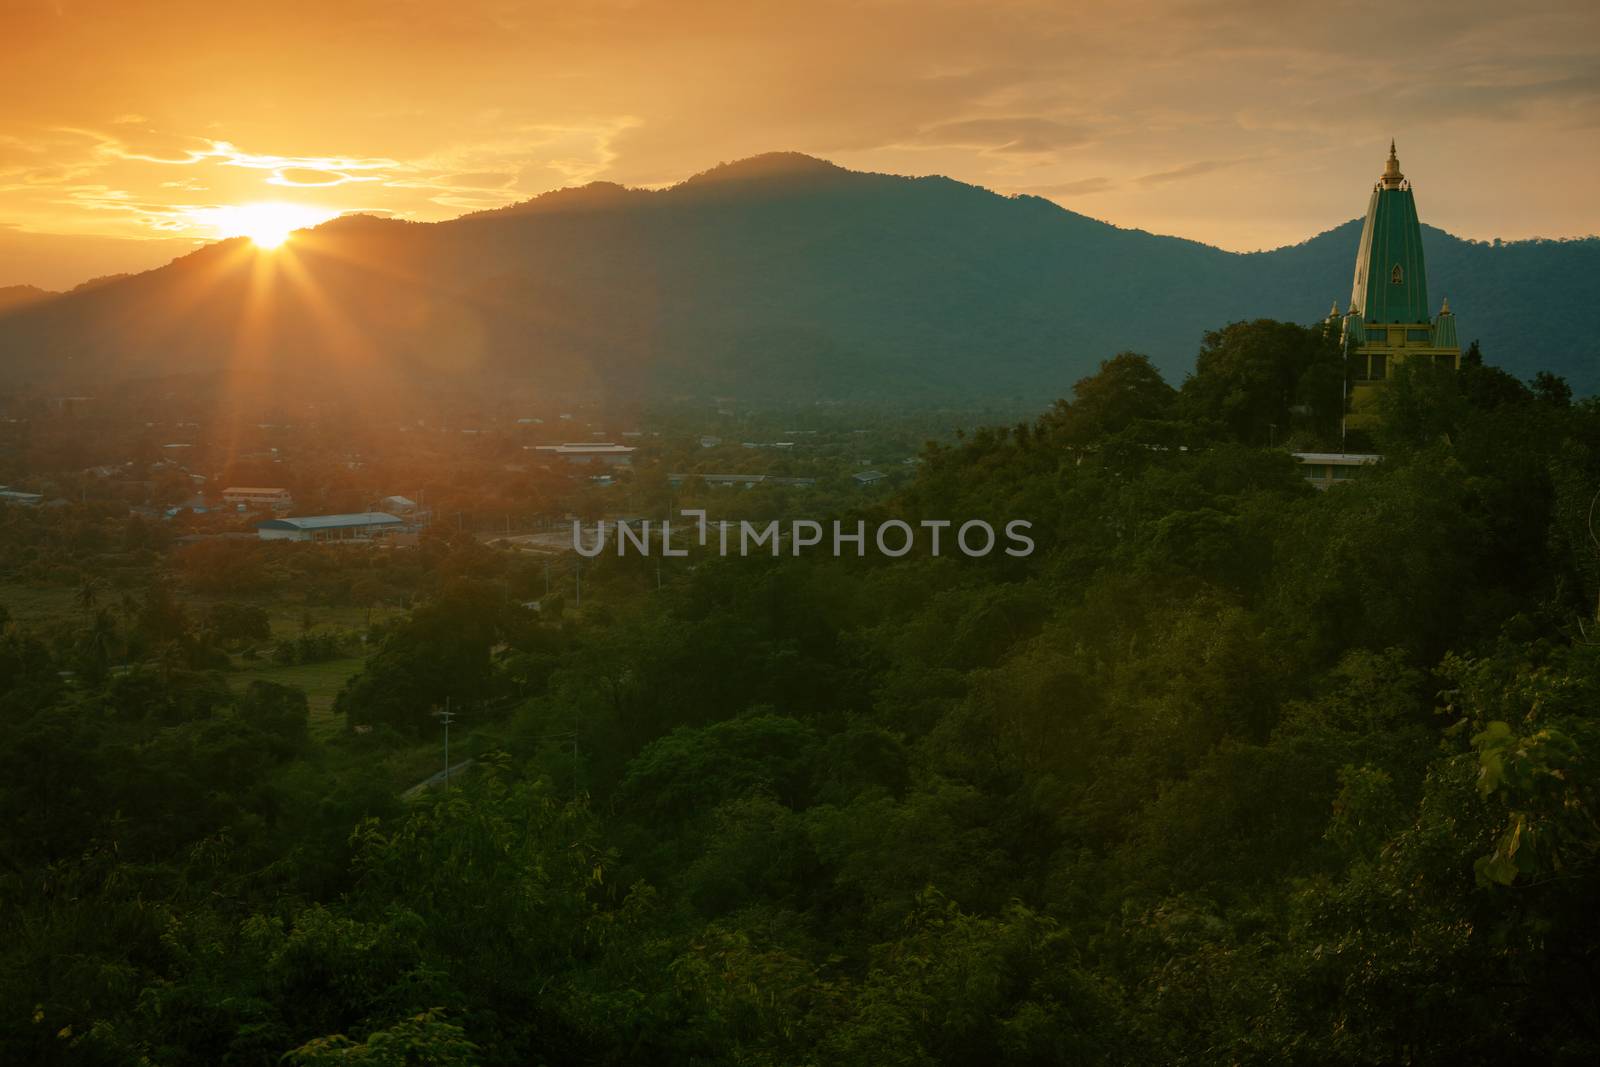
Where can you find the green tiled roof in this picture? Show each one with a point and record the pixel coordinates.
(1444, 329)
(1391, 282)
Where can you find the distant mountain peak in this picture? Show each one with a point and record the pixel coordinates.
(357, 220)
(767, 165)
(104, 279)
(16, 296)
(600, 194)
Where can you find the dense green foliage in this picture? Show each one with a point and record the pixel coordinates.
(1229, 771)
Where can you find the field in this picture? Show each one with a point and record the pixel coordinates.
(37, 605)
(320, 681)
(41, 605)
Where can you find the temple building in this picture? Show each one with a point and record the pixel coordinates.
(1388, 320)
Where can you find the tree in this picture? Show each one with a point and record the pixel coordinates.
(1552, 389)
(1489, 388)
(238, 623)
(366, 591)
(1248, 376)
(427, 1038)
(89, 593)
(1126, 389)
(162, 618)
(441, 651)
(1420, 404)
(98, 642)
(280, 712)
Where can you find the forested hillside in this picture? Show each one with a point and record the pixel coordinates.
(779, 278)
(1229, 771)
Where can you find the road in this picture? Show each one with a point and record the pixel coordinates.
(435, 779)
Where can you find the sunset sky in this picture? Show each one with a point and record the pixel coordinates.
(129, 131)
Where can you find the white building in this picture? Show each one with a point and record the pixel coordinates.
(9, 495)
(580, 452)
(1324, 469)
(360, 526)
(257, 498)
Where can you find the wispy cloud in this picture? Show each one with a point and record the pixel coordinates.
(1026, 135)
(1188, 170)
(1146, 106)
(1081, 187)
(93, 170)
(313, 178)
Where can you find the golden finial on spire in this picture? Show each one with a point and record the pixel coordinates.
(1446, 309)
(1391, 170)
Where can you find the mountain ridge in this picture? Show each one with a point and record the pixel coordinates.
(780, 274)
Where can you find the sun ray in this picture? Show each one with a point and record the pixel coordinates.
(268, 223)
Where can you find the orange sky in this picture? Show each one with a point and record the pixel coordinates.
(1242, 123)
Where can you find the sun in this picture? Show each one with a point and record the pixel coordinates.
(268, 224)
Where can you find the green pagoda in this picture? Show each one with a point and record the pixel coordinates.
(1388, 321)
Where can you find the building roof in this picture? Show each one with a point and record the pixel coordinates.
(332, 522)
(1391, 280)
(742, 479)
(1338, 459)
(587, 448)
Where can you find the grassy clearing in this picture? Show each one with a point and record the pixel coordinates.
(39, 605)
(288, 617)
(36, 605)
(321, 682)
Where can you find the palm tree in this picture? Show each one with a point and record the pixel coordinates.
(98, 642)
(88, 593)
(171, 656)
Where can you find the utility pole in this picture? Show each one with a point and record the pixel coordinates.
(1590, 523)
(445, 716)
(578, 575)
(1344, 384)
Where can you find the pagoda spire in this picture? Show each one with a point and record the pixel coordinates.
(1390, 321)
(1392, 178)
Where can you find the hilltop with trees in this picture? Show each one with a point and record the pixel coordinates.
(1229, 771)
